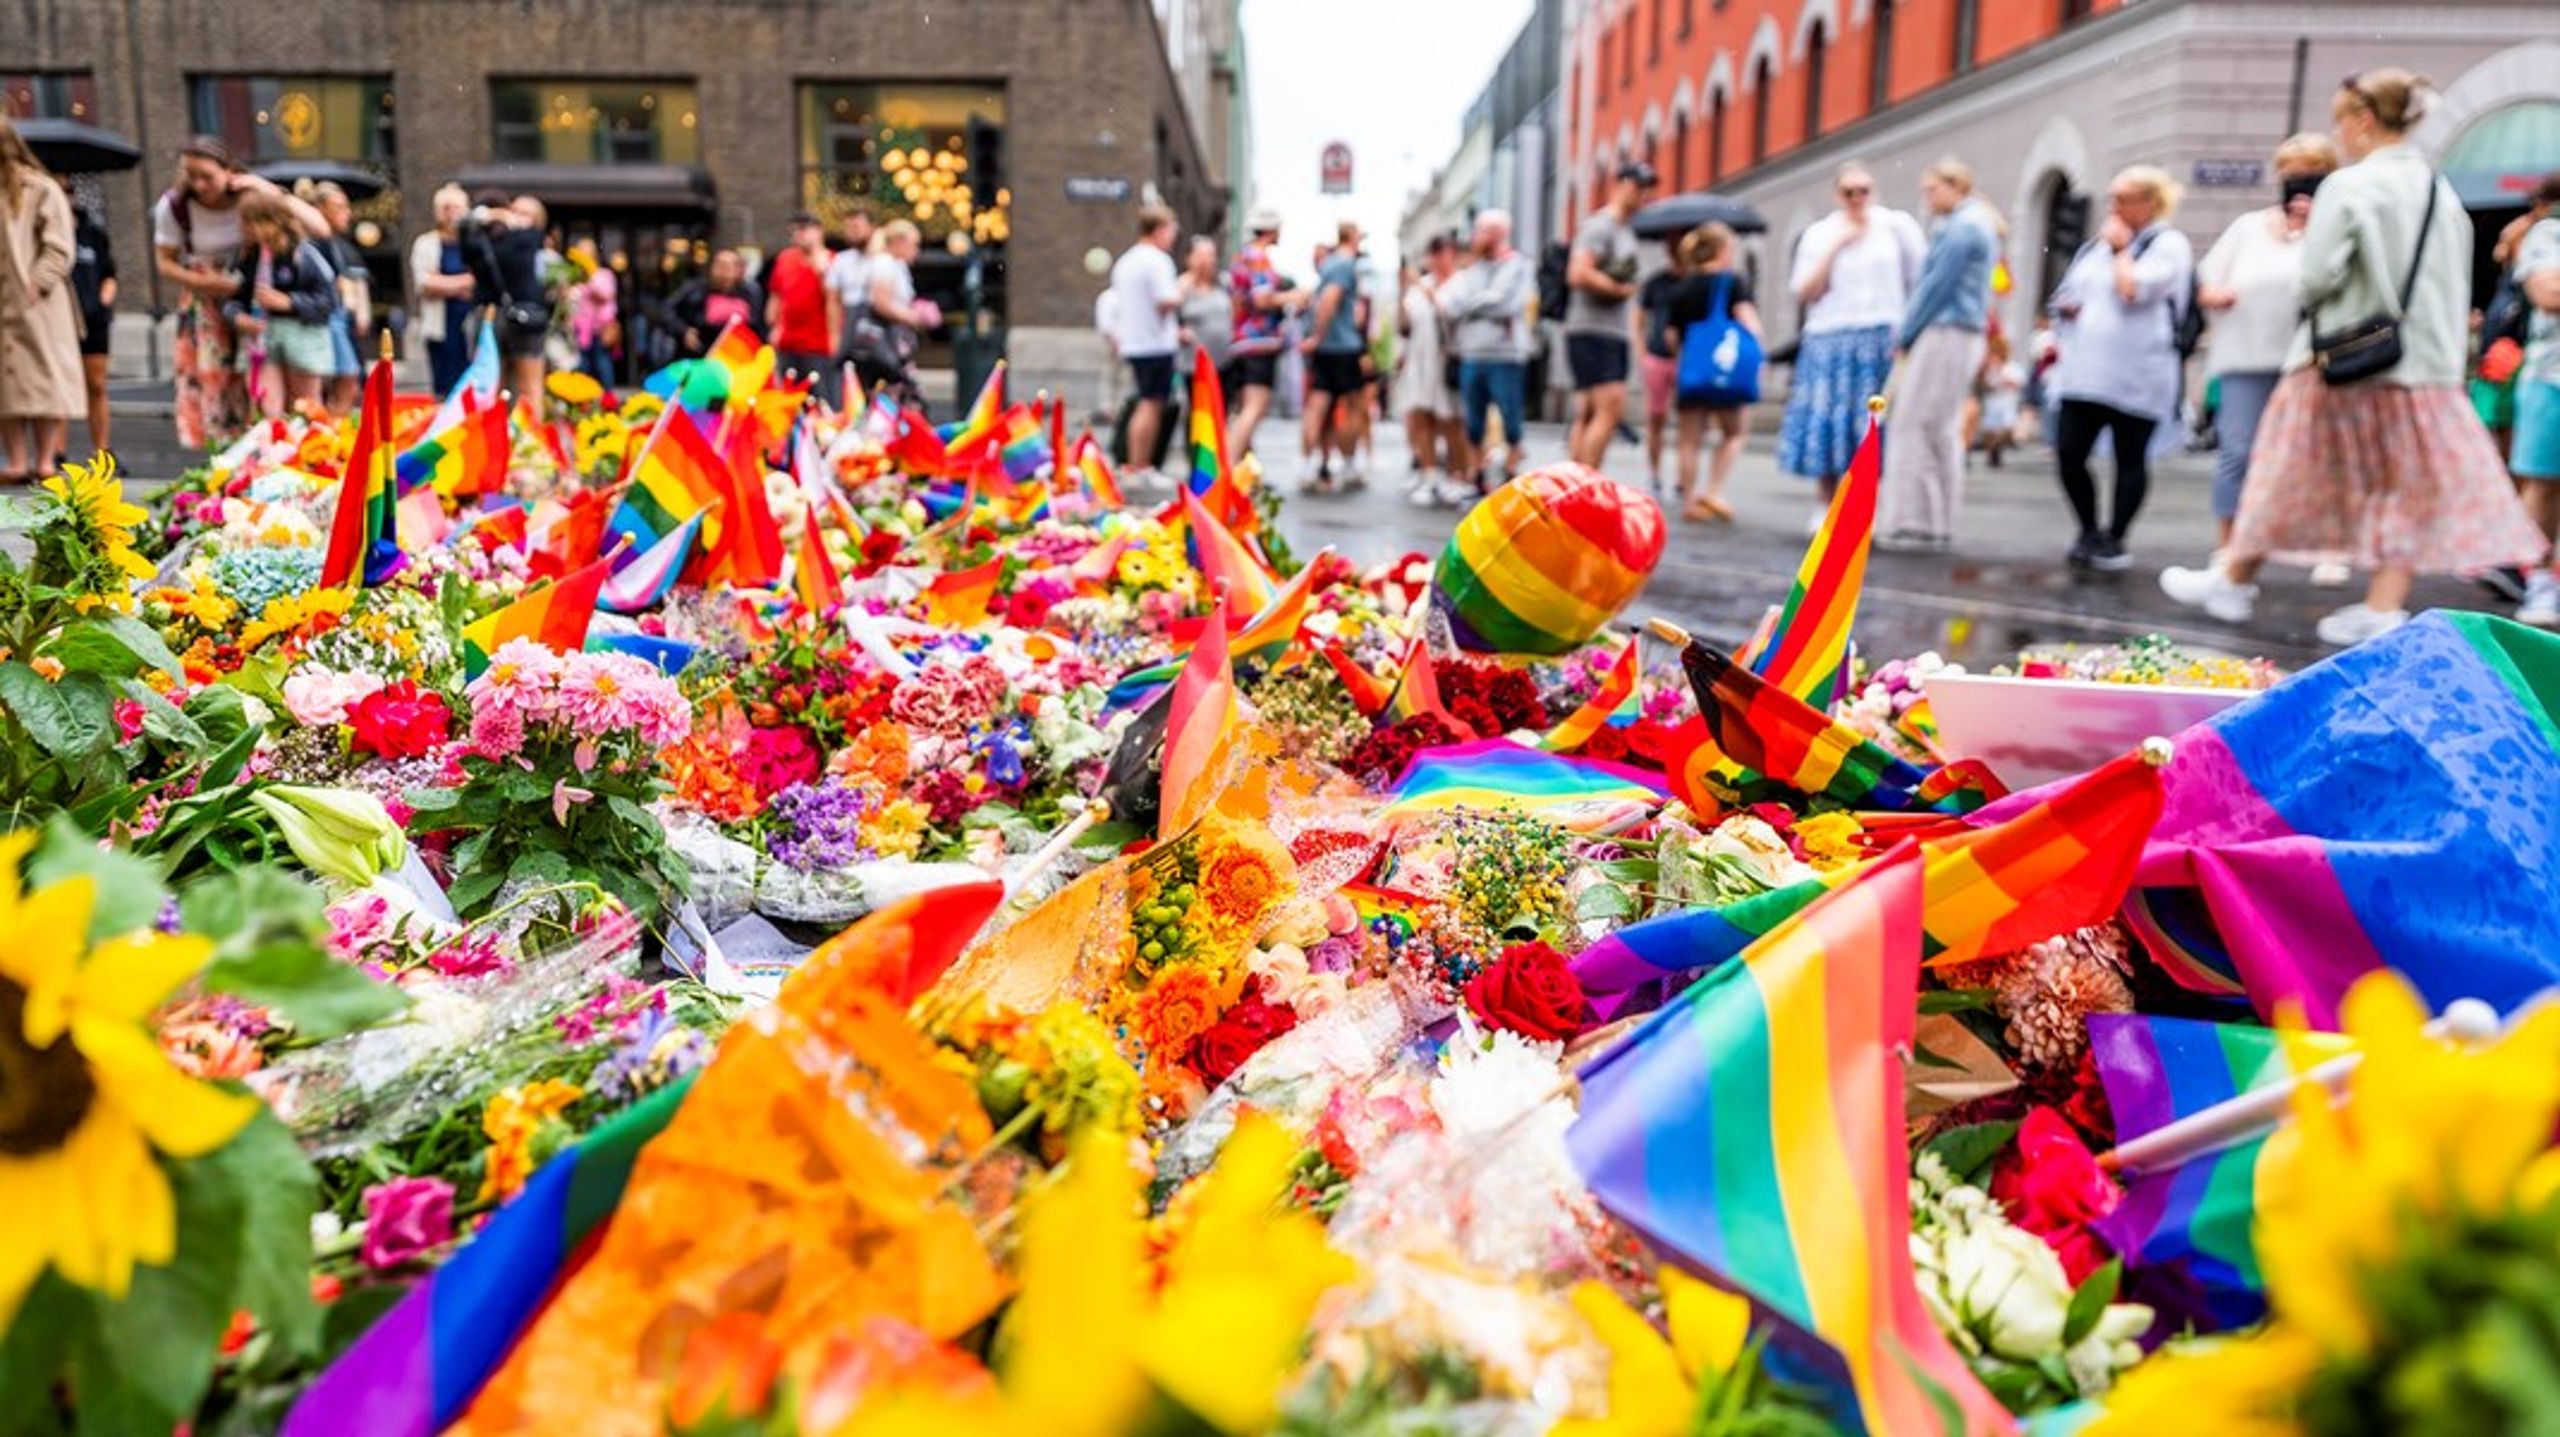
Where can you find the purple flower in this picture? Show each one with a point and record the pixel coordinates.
(657, 1051)
(1334, 955)
(816, 826)
(404, 1219)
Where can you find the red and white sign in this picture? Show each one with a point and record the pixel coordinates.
(1337, 168)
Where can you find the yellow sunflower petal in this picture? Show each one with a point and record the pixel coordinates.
(51, 928)
(1708, 1324)
(127, 978)
(1648, 1396)
(181, 1116)
(27, 1188)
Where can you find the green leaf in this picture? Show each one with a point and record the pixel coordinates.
(2089, 1301)
(320, 996)
(472, 889)
(1109, 837)
(67, 719)
(31, 1360)
(164, 720)
(282, 1191)
(432, 800)
(1957, 1000)
(540, 866)
(220, 712)
(1968, 1151)
(251, 908)
(115, 646)
(1631, 870)
(228, 761)
(1604, 900)
(128, 891)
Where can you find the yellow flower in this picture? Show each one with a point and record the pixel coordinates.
(87, 1095)
(1653, 1383)
(513, 1120)
(640, 409)
(570, 387)
(1830, 840)
(293, 612)
(93, 492)
(2241, 1387)
(207, 606)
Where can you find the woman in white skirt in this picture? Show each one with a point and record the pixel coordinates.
(1421, 393)
(2393, 469)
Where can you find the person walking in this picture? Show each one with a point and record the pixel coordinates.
(720, 297)
(40, 386)
(195, 241)
(1146, 299)
(2251, 283)
(1263, 303)
(288, 297)
(1207, 315)
(848, 287)
(93, 292)
(1600, 278)
(2388, 465)
(796, 309)
(1657, 360)
(2118, 310)
(441, 291)
(1940, 344)
(1712, 292)
(890, 328)
(1488, 309)
(2534, 453)
(1334, 346)
(1853, 273)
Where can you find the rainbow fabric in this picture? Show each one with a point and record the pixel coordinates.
(1811, 639)
(1417, 689)
(1546, 561)
(1225, 564)
(554, 614)
(1094, 471)
(2158, 1070)
(364, 534)
(977, 430)
(669, 655)
(2315, 821)
(813, 570)
(1213, 479)
(1199, 718)
(1028, 504)
(462, 459)
(1022, 449)
(675, 481)
(419, 1365)
(1754, 1130)
(1780, 737)
(1369, 693)
(1386, 910)
(1613, 702)
(478, 386)
(729, 375)
(2060, 863)
(1093, 572)
(1497, 773)
(958, 599)
(746, 550)
(1267, 635)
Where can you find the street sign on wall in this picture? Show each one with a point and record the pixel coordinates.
(2230, 174)
(1336, 166)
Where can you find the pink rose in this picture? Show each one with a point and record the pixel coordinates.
(404, 1219)
(317, 697)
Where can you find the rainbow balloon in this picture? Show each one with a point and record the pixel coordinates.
(1546, 560)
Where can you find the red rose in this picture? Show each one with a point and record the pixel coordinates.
(1477, 715)
(1238, 1036)
(1027, 609)
(878, 548)
(1531, 991)
(2053, 1188)
(1609, 742)
(400, 720)
(1648, 741)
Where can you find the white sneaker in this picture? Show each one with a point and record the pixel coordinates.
(2212, 591)
(2541, 606)
(1425, 495)
(1497, 461)
(2356, 623)
(1310, 469)
(1354, 477)
(1420, 481)
(1457, 494)
(2330, 574)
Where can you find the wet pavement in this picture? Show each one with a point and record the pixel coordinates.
(2004, 587)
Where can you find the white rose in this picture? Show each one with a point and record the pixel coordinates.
(2010, 1285)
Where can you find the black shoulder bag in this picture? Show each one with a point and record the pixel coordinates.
(525, 316)
(2371, 346)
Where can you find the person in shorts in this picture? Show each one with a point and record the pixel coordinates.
(1336, 380)
(1601, 276)
(1146, 304)
(1263, 303)
(2533, 452)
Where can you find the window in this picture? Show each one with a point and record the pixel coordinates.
(1715, 137)
(264, 118)
(1817, 55)
(1968, 25)
(1680, 154)
(49, 97)
(1688, 17)
(1880, 58)
(1760, 75)
(1608, 39)
(2074, 11)
(1653, 31)
(1627, 53)
(594, 122)
(930, 153)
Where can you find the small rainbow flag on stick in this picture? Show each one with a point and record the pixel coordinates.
(1417, 689)
(966, 442)
(1100, 484)
(1754, 1129)
(1810, 641)
(1781, 737)
(555, 615)
(1228, 566)
(364, 535)
(1213, 479)
(813, 570)
(1199, 720)
(1369, 693)
(958, 599)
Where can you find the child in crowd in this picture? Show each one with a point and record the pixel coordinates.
(287, 300)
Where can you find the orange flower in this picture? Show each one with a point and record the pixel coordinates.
(878, 753)
(1180, 1005)
(513, 1120)
(705, 775)
(1244, 873)
(210, 1050)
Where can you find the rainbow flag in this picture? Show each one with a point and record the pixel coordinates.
(478, 386)
(1021, 449)
(1402, 914)
(958, 599)
(1028, 504)
(1199, 720)
(644, 582)
(1092, 573)
(1754, 1131)
(669, 656)
(746, 549)
(729, 375)
(1057, 409)
(500, 528)
(1780, 737)
(460, 460)
(905, 437)
(364, 535)
(1811, 640)
(675, 481)
(2061, 862)
(977, 431)
(2158, 1070)
(553, 614)
(1213, 479)
(1268, 634)
(2318, 822)
(1417, 689)
(1369, 693)
(813, 570)
(1614, 702)
(414, 1371)
(1497, 773)
(1100, 484)
(1226, 564)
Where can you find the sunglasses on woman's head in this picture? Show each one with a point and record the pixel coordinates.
(1855, 192)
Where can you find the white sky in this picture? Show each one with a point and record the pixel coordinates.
(1390, 78)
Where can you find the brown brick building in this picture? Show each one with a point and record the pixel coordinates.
(1023, 133)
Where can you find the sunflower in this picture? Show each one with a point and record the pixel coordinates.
(86, 1094)
(94, 497)
(572, 388)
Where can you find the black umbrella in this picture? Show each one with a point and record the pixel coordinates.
(360, 184)
(68, 147)
(1679, 214)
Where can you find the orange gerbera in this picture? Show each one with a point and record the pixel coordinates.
(1244, 873)
(878, 753)
(1180, 1005)
(705, 775)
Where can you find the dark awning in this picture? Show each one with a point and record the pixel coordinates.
(359, 183)
(69, 147)
(678, 188)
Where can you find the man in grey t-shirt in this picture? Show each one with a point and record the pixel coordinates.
(1597, 339)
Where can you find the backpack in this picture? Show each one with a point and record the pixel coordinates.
(2186, 316)
(1719, 359)
(1553, 292)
